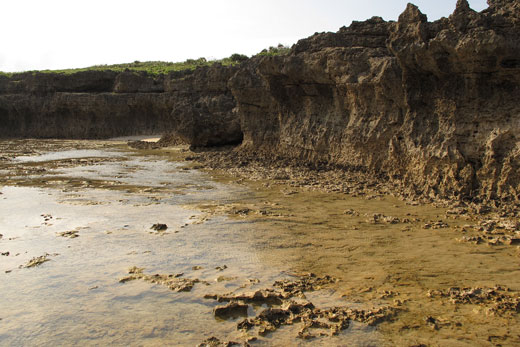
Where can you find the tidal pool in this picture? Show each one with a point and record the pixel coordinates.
(88, 208)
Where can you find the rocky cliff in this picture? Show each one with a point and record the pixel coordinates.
(102, 104)
(432, 105)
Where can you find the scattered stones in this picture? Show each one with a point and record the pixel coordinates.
(498, 226)
(46, 217)
(196, 267)
(72, 234)
(491, 240)
(473, 239)
(240, 211)
(174, 282)
(436, 225)
(259, 297)
(231, 310)
(380, 218)
(493, 232)
(215, 342)
(221, 268)
(288, 288)
(307, 282)
(332, 320)
(159, 227)
(351, 212)
(325, 322)
(261, 167)
(5, 254)
(498, 300)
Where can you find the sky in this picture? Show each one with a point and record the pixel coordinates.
(60, 34)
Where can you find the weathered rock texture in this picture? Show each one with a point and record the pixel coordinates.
(433, 105)
(102, 104)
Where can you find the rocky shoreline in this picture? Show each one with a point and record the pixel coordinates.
(425, 110)
(421, 110)
(331, 256)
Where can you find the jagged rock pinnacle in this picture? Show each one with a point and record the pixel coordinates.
(412, 14)
(462, 6)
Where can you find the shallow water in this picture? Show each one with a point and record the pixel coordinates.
(111, 198)
(76, 296)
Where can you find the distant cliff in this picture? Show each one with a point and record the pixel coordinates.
(432, 105)
(102, 104)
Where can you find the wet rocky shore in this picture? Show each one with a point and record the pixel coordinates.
(241, 254)
(429, 106)
(362, 189)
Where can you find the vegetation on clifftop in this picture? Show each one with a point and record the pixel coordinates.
(151, 67)
(278, 50)
(163, 67)
(157, 67)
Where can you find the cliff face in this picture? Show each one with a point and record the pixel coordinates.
(433, 105)
(102, 104)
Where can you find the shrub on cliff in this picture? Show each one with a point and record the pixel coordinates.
(238, 58)
(278, 50)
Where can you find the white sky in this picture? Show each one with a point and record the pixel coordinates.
(57, 34)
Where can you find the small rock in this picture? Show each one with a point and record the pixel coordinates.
(432, 322)
(72, 234)
(37, 261)
(171, 281)
(159, 227)
(232, 309)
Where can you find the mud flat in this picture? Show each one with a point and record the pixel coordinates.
(102, 244)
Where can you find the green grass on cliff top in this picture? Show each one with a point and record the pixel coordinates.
(163, 67)
(151, 67)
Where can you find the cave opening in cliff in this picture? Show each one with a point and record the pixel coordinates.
(233, 141)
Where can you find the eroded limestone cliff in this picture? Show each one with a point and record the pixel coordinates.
(102, 104)
(433, 105)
